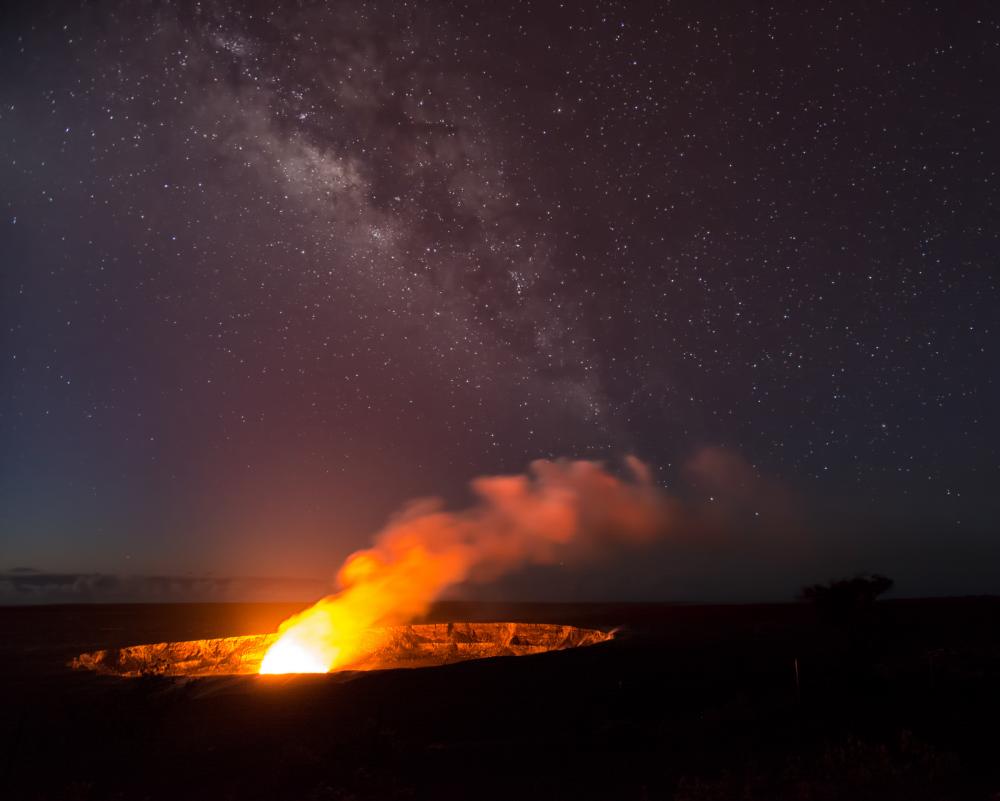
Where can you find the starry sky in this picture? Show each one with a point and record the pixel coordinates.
(270, 269)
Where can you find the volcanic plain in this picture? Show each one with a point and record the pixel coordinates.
(685, 702)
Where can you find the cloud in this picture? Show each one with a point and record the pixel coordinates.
(25, 586)
(735, 488)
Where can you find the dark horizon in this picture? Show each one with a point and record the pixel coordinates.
(69, 589)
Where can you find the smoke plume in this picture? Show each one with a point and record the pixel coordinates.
(515, 520)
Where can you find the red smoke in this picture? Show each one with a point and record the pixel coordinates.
(557, 508)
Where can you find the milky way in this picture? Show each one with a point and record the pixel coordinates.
(272, 268)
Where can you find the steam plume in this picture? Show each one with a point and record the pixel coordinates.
(515, 520)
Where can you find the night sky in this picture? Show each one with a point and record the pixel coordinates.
(269, 270)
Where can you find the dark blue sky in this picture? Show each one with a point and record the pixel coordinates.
(272, 269)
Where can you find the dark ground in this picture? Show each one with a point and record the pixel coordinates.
(691, 702)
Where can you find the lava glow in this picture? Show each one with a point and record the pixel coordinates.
(290, 656)
(313, 642)
(516, 520)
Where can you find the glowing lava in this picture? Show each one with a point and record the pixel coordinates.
(288, 655)
(332, 635)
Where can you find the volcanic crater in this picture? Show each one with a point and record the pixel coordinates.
(385, 648)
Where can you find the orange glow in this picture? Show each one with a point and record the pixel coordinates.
(516, 520)
(289, 655)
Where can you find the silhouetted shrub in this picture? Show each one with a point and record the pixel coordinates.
(847, 599)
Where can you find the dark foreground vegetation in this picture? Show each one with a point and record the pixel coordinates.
(895, 700)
